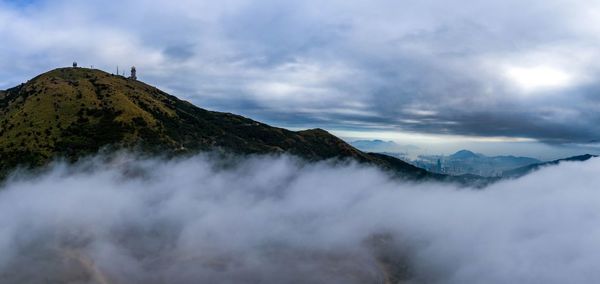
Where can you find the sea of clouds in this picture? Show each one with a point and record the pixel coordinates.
(268, 219)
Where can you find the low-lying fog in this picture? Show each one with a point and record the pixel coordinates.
(277, 220)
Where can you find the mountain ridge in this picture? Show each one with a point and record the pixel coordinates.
(464, 154)
(73, 112)
(521, 171)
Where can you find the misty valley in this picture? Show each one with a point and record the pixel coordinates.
(108, 180)
(209, 218)
(301, 142)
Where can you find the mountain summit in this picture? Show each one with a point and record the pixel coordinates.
(72, 112)
(464, 154)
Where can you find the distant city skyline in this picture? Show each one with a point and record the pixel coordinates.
(496, 77)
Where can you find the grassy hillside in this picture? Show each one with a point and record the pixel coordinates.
(71, 112)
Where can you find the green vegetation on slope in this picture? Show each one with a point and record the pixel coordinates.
(72, 112)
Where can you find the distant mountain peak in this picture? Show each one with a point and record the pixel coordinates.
(378, 145)
(464, 154)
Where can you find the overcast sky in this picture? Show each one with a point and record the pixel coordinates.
(487, 74)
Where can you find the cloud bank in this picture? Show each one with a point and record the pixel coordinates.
(279, 220)
(477, 68)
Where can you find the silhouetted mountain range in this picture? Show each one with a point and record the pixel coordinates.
(518, 172)
(381, 146)
(465, 154)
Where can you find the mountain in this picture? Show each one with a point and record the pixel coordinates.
(521, 171)
(73, 112)
(381, 146)
(464, 154)
(467, 162)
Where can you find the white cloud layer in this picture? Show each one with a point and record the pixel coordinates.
(278, 220)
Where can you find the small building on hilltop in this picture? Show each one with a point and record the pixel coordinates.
(133, 75)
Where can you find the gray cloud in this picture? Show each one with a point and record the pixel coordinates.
(427, 66)
(275, 219)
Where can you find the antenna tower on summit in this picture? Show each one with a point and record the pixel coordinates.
(133, 75)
